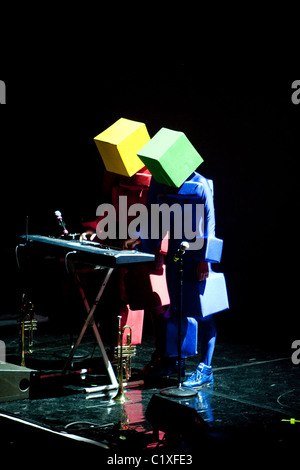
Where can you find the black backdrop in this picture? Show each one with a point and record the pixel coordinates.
(246, 129)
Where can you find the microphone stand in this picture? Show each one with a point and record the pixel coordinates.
(179, 391)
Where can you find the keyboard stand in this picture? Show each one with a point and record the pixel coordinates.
(90, 321)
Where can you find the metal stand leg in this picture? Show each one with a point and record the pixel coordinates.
(91, 322)
(179, 391)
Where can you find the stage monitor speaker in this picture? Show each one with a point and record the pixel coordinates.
(173, 417)
(15, 381)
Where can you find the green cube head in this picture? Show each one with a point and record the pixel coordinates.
(170, 157)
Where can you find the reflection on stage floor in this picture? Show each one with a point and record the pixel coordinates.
(254, 405)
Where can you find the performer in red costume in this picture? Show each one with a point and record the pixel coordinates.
(140, 287)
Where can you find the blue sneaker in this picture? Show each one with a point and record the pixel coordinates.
(202, 376)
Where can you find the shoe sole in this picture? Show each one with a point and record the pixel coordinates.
(205, 384)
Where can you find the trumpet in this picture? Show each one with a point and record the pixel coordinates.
(123, 353)
(28, 324)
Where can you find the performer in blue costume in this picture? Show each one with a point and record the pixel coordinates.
(199, 302)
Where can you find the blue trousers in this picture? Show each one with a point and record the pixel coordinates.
(206, 326)
(207, 338)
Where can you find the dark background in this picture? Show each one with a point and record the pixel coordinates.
(245, 127)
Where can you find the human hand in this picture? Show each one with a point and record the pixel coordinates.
(88, 235)
(131, 243)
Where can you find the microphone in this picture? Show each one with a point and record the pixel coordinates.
(181, 250)
(61, 222)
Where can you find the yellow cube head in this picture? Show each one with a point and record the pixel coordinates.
(118, 146)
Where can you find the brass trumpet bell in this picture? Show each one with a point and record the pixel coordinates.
(28, 324)
(123, 353)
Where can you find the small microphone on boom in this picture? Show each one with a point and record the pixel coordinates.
(181, 250)
(61, 222)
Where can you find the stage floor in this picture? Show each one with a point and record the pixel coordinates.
(254, 397)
